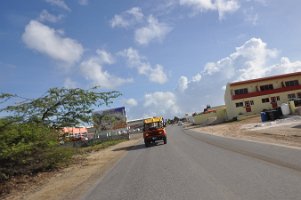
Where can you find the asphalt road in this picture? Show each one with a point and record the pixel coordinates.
(200, 166)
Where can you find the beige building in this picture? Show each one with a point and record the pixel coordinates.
(215, 115)
(252, 96)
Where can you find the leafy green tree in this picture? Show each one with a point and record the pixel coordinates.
(59, 107)
(29, 135)
(176, 119)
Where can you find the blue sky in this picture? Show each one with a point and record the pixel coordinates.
(167, 57)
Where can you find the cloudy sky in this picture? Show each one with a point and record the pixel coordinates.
(167, 57)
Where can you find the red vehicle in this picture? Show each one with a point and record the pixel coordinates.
(154, 129)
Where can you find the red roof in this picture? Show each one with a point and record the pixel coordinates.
(265, 78)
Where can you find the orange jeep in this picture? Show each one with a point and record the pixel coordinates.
(153, 130)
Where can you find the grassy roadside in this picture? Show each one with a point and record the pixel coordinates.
(77, 155)
(99, 146)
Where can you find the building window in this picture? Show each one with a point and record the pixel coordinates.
(299, 95)
(265, 100)
(239, 104)
(291, 96)
(266, 87)
(278, 98)
(252, 102)
(241, 91)
(291, 83)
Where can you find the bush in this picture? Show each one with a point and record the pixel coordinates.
(96, 146)
(27, 148)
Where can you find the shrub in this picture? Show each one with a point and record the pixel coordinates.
(27, 148)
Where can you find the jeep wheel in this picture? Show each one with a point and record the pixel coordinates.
(165, 140)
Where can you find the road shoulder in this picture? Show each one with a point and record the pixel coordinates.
(282, 134)
(76, 180)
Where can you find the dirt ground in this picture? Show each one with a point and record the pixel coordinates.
(72, 182)
(286, 131)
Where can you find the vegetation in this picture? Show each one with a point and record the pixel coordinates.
(29, 131)
(27, 148)
(59, 107)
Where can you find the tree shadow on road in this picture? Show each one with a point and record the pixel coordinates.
(298, 126)
(137, 147)
(131, 148)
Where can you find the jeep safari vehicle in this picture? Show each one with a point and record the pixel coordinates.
(153, 130)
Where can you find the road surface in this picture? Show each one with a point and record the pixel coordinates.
(199, 166)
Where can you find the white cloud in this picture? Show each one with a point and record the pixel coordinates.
(197, 77)
(51, 42)
(127, 18)
(133, 57)
(285, 66)
(161, 103)
(136, 13)
(195, 93)
(155, 74)
(131, 102)
(92, 69)
(183, 83)
(247, 62)
(118, 21)
(153, 31)
(83, 2)
(221, 6)
(69, 83)
(46, 16)
(212, 67)
(59, 3)
(105, 57)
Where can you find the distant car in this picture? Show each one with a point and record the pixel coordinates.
(180, 123)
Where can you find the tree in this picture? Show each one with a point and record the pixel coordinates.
(28, 132)
(59, 107)
(176, 119)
